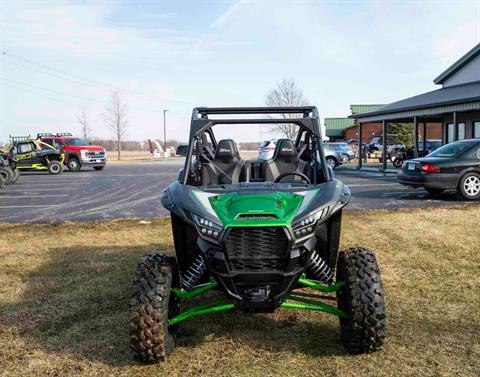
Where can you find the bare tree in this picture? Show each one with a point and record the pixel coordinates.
(83, 121)
(286, 93)
(116, 118)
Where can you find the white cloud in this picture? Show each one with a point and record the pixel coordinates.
(225, 16)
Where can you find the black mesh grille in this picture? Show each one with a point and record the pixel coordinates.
(257, 248)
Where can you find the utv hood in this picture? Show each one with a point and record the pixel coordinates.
(275, 208)
(253, 205)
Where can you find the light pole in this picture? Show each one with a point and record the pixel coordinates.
(164, 133)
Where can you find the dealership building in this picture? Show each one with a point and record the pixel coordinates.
(454, 108)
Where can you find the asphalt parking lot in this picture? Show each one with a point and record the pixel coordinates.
(125, 190)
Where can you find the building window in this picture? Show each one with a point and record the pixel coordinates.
(476, 129)
(461, 131)
(450, 132)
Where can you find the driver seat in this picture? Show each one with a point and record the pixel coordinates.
(226, 166)
(285, 160)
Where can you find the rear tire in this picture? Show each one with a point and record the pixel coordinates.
(469, 186)
(7, 174)
(16, 175)
(73, 164)
(1, 183)
(362, 298)
(98, 167)
(151, 339)
(55, 168)
(398, 162)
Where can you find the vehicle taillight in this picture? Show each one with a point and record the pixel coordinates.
(430, 168)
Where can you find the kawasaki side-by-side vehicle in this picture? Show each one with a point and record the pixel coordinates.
(256, 235)
(36, 155)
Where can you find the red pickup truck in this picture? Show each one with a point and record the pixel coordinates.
(77, 151)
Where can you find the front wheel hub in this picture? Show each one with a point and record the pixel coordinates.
(472, 186)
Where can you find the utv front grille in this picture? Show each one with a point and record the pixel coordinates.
(257, 248)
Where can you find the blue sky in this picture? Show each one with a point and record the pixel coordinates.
(65, 56)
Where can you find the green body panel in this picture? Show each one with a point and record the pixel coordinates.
(283, 206)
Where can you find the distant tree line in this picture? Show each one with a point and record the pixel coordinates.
(128, 145)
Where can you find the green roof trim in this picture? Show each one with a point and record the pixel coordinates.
(357, 109)
(334, 126)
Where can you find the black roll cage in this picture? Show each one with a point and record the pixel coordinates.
(201, 124)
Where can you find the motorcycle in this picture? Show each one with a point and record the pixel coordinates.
(401, 155)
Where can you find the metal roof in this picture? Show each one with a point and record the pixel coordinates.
(357, 109)
(459, 94)
(457, 65)
(334, 126)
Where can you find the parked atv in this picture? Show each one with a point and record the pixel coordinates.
(36, 155)
(258, 233)
(8, 168)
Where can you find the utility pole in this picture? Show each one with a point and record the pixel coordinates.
(164, 133)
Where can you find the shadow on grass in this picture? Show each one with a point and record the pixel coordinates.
(76, 304)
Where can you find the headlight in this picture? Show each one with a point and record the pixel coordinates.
(207, 228)
(306, 225)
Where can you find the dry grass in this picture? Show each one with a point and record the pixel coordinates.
(64, 294)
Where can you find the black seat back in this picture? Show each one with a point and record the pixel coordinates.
(285, 160)
(225, 167)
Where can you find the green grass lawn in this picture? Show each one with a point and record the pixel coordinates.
(64, 293)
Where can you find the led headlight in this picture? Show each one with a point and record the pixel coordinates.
(207, 228)
(306, 225)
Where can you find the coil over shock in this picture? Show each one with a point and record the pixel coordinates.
(194, 273)
(318, 267)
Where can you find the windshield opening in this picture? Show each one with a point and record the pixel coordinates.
(76, 142)
(246, 153)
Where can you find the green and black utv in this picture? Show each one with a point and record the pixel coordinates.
(36, 155)
(263, 234)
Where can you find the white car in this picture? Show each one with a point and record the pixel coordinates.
(267, 147)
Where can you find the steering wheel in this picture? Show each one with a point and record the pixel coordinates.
(301, 175)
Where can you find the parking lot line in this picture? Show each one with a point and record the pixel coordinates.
(30, 206)
(33, 196)
(372, 184)
(13, 189)
(40, 184)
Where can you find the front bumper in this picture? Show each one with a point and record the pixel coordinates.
(434, 181)
(262, 289)
(94, 161)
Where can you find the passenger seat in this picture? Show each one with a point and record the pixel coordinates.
(226, 166)
(285, 160)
